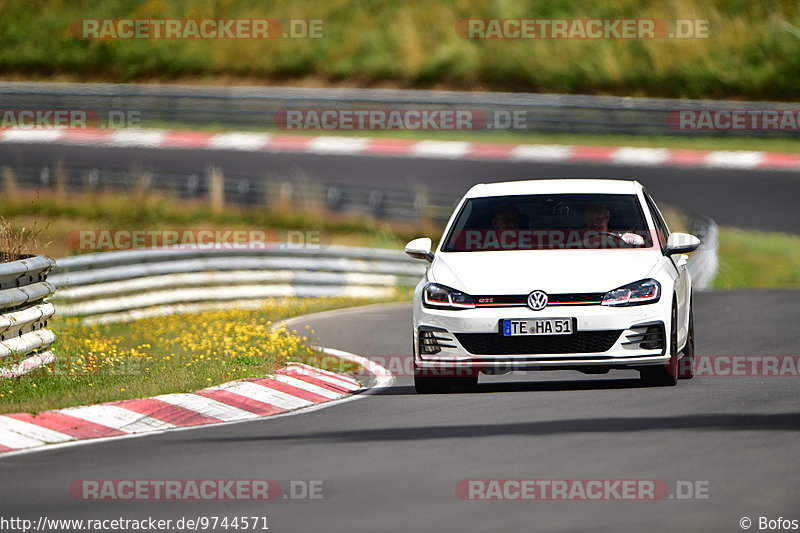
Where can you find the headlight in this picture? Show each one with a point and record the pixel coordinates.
(646, 291)
(441, 297)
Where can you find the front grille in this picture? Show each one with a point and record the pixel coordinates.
(575, 298)
(579, 342)
(521, 300)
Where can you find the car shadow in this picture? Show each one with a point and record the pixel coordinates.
(540, 428)
(528, 386)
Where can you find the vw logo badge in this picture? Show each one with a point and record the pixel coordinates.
(537, 300)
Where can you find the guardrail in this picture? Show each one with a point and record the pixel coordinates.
(24, 337)
(132, 284)
(378, 202)
(127, 285)
(255, 107)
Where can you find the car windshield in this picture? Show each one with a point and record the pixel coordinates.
(549, 221)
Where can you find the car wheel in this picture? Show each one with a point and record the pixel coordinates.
(464, 382)
(665, 375)
(431, 385)
(686, 363)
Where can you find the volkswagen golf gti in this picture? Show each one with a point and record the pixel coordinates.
(553, 274)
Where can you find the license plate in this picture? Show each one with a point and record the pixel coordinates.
(537, 326)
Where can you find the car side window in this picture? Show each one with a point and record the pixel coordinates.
(661, 225)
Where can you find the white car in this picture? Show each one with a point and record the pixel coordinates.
(553, 274)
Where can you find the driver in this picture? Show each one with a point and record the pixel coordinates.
(596, 216)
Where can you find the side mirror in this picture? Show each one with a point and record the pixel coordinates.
(420, 249)
(681, 243)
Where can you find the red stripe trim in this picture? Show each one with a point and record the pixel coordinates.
(69, 425)
(310, 370)
(314, 381)
(88, 135)
(687, 157)
(592, 153)
(166, 412)
(780, 161)
(289, 389)
(240, 401)
(388, 146)
(288, 142)
(188, 139)
(524, 304)
(489, 150)
(5, 449)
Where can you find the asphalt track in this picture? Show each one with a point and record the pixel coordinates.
(745, 198)
(391, 461)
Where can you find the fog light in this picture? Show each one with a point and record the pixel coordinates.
(432, 340)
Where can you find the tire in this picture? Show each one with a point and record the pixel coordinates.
(665, 375)
(686, 363)
(428, 385)
(465, 382)
(424, 383)
(432, 384)
(427, 382)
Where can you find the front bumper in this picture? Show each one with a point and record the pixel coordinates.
(606, 338)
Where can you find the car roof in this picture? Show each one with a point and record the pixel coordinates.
(555, 186)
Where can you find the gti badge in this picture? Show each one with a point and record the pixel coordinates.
(537, 300)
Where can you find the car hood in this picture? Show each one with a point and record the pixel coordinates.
(553, 271)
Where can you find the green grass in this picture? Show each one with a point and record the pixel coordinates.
(100, 363)
(753, 51)
(754, 259)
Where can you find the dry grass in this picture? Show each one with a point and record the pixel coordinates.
(753, 51)
(18, 243)
(153, 211)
